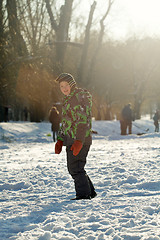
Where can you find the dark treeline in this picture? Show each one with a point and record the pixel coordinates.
(36, 44)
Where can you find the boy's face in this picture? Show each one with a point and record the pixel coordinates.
(65, 88)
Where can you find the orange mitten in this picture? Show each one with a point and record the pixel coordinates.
(58, 146)
(76, 147)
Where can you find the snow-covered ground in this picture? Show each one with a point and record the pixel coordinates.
(35, 187)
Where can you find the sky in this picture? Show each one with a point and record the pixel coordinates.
(127, 17)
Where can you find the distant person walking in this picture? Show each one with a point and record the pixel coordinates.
(126, 120)
(6, 114)
(54, 119)
(156, 118)
(25, 111)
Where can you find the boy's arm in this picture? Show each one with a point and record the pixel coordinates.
(84, 116)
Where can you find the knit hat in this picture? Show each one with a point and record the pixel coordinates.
(66, 77)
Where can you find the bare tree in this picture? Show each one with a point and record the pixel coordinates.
(2, 37)
(2, 60)
(141, 80)
(142, 63)
(14, 29)
(61, 28)
(82, 67)
(89, 79)
(99, 44)
(33, 19)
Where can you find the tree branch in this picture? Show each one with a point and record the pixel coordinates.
(53, 21)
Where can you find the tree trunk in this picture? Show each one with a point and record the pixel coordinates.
(99, 44)
(2, 52)
(2, 39)
(61, 29)
(14, 29)
(82, 67)
(18, 49)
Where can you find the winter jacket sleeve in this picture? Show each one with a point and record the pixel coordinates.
(83, 115)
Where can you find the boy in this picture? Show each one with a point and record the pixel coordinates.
(75, 134)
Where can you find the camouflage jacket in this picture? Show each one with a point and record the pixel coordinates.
(76, 118)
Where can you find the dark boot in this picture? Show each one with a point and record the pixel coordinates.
(81, 197)
(93, 194)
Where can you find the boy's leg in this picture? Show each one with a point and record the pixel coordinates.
(93, 192)
(75, 165)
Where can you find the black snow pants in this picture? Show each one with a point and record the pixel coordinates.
(75, 165)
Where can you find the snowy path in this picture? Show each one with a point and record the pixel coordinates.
(35, 187)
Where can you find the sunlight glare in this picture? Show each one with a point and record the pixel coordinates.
(144, 14)
(126, 18)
